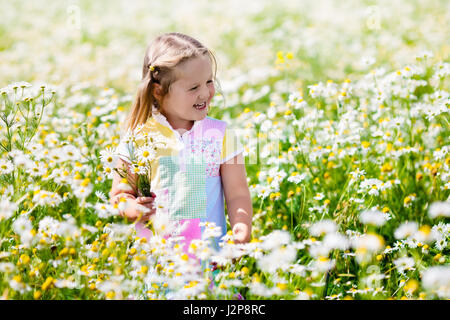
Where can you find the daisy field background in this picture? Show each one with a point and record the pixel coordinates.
(344, 111)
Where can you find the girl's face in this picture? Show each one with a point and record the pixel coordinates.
(190, 95)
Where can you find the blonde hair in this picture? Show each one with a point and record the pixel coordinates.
(164, 53)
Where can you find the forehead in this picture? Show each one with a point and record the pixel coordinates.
(194, 70)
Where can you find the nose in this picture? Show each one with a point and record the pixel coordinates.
(204, 94)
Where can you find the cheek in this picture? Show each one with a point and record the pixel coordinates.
(212, 91)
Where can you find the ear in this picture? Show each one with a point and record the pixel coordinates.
(157, 91)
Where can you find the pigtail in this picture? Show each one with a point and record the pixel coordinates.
(141, 109)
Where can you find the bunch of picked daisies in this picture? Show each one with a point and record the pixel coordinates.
(141, 148)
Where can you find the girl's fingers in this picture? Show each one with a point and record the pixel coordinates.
(145, 199)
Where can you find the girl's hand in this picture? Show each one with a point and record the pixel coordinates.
(241, 233)
(139, 206)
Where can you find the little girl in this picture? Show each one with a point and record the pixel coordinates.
(202, 161)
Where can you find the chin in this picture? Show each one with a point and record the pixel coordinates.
(200, 116)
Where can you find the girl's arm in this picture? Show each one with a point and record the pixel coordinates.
(237, 197)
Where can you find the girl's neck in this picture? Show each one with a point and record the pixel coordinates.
(179, 125)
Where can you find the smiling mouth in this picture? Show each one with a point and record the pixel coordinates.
(200, 106)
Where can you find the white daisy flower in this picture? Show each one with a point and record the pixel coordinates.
(103, 210)
(404, 264)
(323, 227)
(439, 209)
(373, 216)
(296, 178)
(83, 192)
(406, 229)
(145, 154)
(108, 158)
(7, 209)
(6, 166)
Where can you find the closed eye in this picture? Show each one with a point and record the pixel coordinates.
(209, 81)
